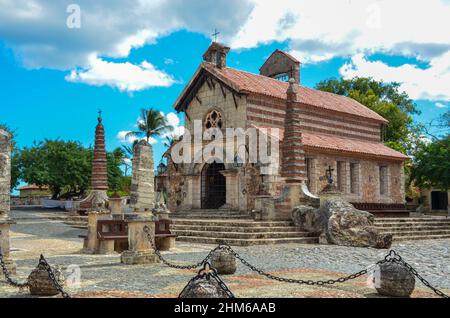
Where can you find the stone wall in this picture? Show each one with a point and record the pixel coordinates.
(264, 111)
(5, 173)
(366, 180)
(213, 98)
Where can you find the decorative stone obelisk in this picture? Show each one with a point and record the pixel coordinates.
(98, 198)
(5, 185)
(142, 201)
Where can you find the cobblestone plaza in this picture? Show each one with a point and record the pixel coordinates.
(38, 232)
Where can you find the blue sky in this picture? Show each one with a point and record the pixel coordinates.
(54, 79)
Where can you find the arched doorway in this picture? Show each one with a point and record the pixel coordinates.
(213, 186)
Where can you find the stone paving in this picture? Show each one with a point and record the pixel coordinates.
(104, 276)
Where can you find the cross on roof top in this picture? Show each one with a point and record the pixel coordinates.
(215, 34)
(99, 113)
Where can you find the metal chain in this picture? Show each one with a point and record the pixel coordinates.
(150, 237)
(290, 280)
(7, 275)
(392, 256)
(45, 265)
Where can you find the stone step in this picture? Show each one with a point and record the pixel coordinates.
(256, 229)
(412, 220)
(413, 227)
(240, 235)
(232, 223)
(416, 224)
(417, 233)
(246, 242)
(425, 237)
(209, 216)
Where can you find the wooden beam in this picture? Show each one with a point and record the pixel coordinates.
(223, 91)
(235, 102)
(187, 115)
(198, 99)
(209, 84)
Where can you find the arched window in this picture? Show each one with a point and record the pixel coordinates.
(214, 120)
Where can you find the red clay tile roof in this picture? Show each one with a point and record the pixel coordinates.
(245, 82)
(342, 145)
(32, 187)
(330, 142)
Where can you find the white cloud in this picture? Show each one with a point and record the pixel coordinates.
(174, 121)
(122, 136)
(124, 76)
(440, 105)
(321, 29)
(37, 30)
(430, 83)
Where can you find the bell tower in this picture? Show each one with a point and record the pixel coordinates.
(217, 54)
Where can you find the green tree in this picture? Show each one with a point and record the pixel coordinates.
(115, 160)
(63, 166)
(386, 100)
(431, 165)
(151, 123)
(15, 154)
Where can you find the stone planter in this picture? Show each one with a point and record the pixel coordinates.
(223, 262)
(394, 280)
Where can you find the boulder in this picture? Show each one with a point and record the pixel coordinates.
(349, 226)
(203, 288)
(341, 223)
(40, 283)
(223, 262)
(394, 280)
(308, 219)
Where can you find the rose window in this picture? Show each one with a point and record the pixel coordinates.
(214, 120)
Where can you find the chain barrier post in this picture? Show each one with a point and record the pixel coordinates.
(206, 284)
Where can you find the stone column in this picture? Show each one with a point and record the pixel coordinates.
(232, 188)
(142, 196)
(91, 243)
(98, 198)
(115, 206)
(197, 191)
(5, 192)
(140, 250)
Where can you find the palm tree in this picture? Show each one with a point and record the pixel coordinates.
(171, 140)
(151, 123)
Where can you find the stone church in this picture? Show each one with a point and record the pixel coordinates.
(319, 131)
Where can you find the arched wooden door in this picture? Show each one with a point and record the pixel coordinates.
(213, 186)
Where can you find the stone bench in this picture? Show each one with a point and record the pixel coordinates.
(113, 236)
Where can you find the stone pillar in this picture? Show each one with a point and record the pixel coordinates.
(115, 206)
(5, 191)
(140, 250)
(232, 189)
(142, 196)
(91, 243)
(97, 197)
(197, 191)
(293, 166)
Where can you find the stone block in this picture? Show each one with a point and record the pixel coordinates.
(41, 284)
(223, 262)
(394, 280)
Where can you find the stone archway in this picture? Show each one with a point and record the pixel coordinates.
(213, 186)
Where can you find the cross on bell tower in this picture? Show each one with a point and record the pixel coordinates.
(215, 34)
